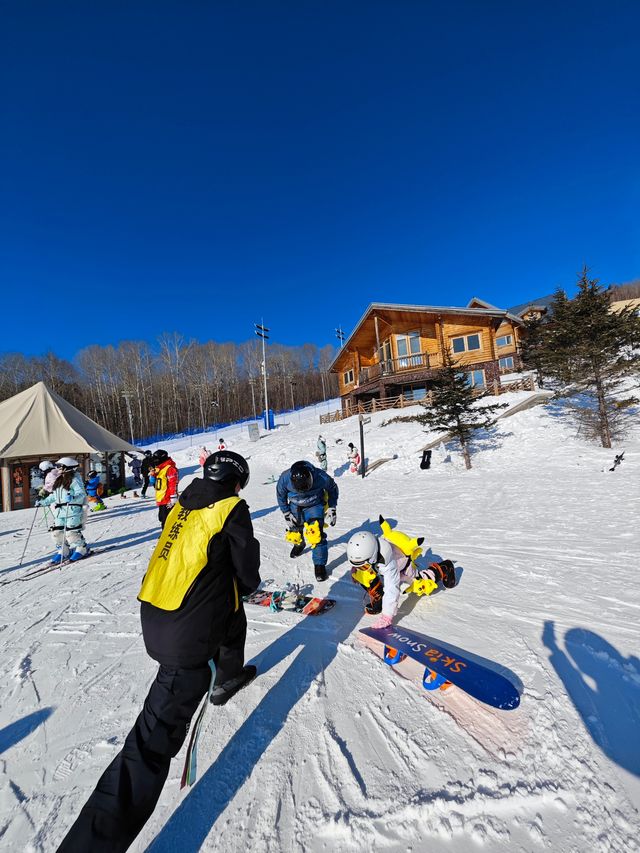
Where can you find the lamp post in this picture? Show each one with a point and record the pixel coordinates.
(252, 382)
(261, 332)
(292, 385)
(127, 396)
(214, 405)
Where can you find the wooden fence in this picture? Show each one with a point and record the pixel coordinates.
(526, 383)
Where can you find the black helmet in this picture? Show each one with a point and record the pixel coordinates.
(301, 476)
(148, 453)
(225, 465)
(160, 456)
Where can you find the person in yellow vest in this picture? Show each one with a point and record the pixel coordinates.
(193, 624)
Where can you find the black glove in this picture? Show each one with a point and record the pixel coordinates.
(332, 516)
(290, 519)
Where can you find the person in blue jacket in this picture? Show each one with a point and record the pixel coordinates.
(94, 488)
(305, 496)
(67, 500)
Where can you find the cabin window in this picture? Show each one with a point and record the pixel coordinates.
(504, 341)
(468, 343)
(506, 362)
(475, 378)
(407, 346)
(347, 377)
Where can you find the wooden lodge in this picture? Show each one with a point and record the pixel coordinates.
(395, 351)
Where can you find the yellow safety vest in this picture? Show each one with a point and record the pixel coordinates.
(182, 553)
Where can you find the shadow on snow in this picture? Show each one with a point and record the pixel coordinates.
(604, 687)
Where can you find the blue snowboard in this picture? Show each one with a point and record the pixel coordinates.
(474, 678)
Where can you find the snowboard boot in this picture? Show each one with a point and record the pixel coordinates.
(321, 572)
(297, 550)
(221, 693)
(445, 573)
(375, 598)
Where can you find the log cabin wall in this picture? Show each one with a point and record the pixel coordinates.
(435, 331)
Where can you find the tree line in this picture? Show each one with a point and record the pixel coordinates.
(177, 384)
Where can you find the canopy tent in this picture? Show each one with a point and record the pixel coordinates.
(40, 424)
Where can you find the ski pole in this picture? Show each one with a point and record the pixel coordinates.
(28, 537)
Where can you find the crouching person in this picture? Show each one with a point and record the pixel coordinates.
(193, 624)
(67, 501)
(381, 564)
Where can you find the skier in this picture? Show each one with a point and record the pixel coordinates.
(136, 467)
(221, 444)
(166, 485)
(354, 458)
(203, 455)
(193, 624)
(94, 490)
(145, 467)
(68, 499)
(321, 452)
(382, 564)
(51, 474)
(305, 494)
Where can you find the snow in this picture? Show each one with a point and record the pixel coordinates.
(329, 749)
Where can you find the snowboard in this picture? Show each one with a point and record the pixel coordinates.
(279, 600)
(445, 665)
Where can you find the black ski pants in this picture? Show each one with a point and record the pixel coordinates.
(130, 787)
(163, 512)
(145, 484)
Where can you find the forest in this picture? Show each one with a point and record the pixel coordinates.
(175, 385)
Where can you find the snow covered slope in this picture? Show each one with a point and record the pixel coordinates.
(329, 749)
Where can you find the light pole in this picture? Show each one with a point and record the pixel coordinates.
(252, 382)
(261, 332)
(214, 405)
(127, 395)
(292, 385)
(340, 336)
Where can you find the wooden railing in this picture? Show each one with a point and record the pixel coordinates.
(526, 383)
(390, 366)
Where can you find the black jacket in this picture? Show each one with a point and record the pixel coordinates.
(147, 463)
(189, 636)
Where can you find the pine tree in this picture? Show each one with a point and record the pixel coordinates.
(590, 349)
(533, 347)
(453, 407)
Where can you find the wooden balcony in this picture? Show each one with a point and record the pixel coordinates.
(394, 366)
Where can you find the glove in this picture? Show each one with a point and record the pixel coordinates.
(290, 519)
(38, 503)
(383, 622)
(332, 516)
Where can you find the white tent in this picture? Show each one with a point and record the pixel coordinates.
(38, 423)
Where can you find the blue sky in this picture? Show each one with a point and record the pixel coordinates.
(194, 166)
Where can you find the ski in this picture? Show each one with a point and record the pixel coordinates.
(290, 599)
(190, 770)
(51, 567)
(444, 664)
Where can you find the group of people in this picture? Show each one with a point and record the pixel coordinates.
(194, 626)
(353, 455)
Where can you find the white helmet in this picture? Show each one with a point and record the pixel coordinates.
(46, 466)
(68, 462)
(362, 548)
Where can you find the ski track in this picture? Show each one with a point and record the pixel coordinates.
(330, 749)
